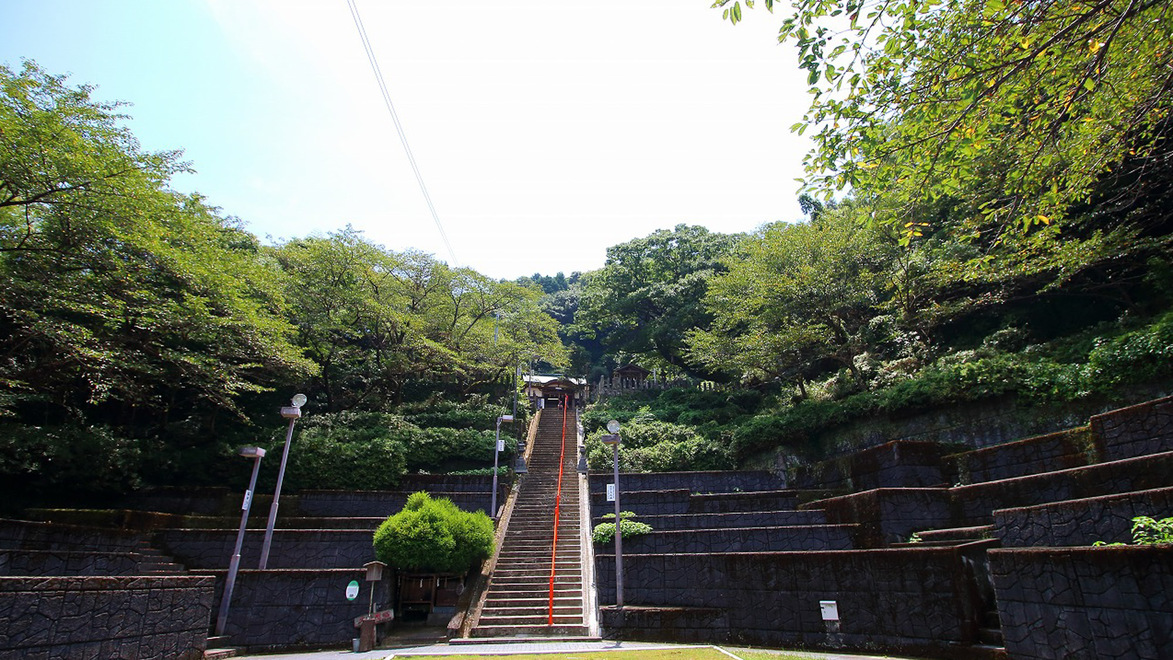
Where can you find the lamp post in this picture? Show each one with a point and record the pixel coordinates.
(255, 453)
(292, 413)
(496, 451)
(613, 440)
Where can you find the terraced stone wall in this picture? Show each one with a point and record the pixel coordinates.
(1060, 604)
(105, 617)
(291, 548)
(899, 464)
(752, 539)
(290, 609)
(1138, 430)
(61, 562)
(1054, 451)
(724, 481)
(1081, 522)
(910, 601)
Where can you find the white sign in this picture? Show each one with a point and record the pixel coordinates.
(830, 610)
(248, 499)
(610, 492)
(352, 590)
(500, 445)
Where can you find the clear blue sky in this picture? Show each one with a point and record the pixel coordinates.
(545, 131)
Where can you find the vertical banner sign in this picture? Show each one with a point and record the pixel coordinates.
(610, 492)
(500, 445)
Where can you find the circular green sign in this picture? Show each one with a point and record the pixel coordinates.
(352, 590)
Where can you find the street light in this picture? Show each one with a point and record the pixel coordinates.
(255, 453)
(497, 450)
(613, 440)
(292, 413)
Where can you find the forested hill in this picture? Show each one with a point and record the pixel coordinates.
(987, 214)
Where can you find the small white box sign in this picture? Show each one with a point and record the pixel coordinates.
(610, 492)
(500, 445)
(248, 500)
(830, 610)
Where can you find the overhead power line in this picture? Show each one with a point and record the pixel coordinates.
(366, 44)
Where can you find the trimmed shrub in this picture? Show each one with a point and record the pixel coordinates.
(434, 536)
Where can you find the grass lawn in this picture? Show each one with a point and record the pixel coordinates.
(669, 654)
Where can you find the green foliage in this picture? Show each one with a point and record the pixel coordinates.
(649, 445)
(433, 535)
(605, 532)
(357, 450)
(83, 459)
(1149, 531)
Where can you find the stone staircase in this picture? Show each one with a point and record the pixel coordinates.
(519, 601)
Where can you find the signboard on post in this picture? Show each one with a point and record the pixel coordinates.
(352, 590)
(610, 492)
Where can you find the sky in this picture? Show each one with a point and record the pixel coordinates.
(544, 131)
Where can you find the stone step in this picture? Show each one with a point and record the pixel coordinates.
(219, 654)
(537, 609)
(529, 620)
(520, 601)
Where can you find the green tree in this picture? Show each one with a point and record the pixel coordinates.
(648, 295)
(119, 297)
(918, 99)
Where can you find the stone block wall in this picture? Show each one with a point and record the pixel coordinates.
(734, 519)
(205, 501)
(696, 482)
(898, 464)
(291, 548)
(289, 609)
(910, 601)
(1085, 603)
(383, 503)
(1045, 453)
(32, 535)
(1081, 522)
(749, 539)
(61, 562)
(683, 501)
(1138, 430)
(105, 617)
(976, 503)
(888, 515)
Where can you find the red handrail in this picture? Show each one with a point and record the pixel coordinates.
(557, 506)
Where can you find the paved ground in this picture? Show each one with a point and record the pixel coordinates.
(518, 647)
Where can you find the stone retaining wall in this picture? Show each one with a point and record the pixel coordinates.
(291, 548)
(682, 501)
(977, 503)
(910, 601)
(32, 535)
(1085, 603)
(899, 464)
(1138, 430)
(696, 482)
(1045, 453)
(751, 539)
(889, 515)
(1081, 522)
(344, 504)
(290, 609)
(105, 617)
(60, 562)
(734, 519)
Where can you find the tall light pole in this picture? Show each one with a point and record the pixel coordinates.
(257, 454)
(613, 440)
(292, 413)
(496, 452)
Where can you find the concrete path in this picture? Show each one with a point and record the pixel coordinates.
(507, 648)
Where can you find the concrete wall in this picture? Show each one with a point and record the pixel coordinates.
(290, 609)
(105, 617)
(1085, 603)
(1081, 522)
(904, 601)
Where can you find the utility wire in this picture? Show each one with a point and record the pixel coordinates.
(366, 44)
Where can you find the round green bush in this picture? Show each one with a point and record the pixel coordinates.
(434, 536)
